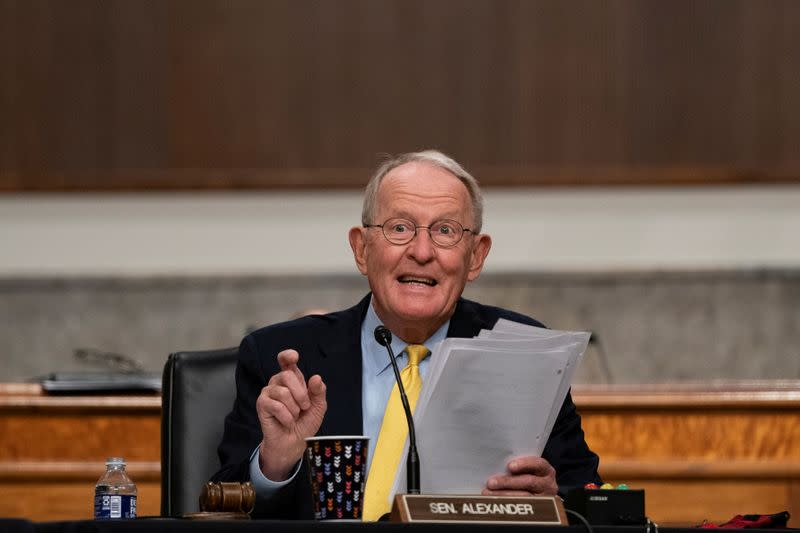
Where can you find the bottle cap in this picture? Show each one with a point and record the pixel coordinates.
(115, 461)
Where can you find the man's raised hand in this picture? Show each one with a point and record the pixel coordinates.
(289, 410)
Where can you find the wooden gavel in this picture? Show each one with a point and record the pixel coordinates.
(227, 497)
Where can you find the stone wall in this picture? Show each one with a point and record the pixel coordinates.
(650, 326)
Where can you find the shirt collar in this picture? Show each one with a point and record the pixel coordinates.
(376, 359)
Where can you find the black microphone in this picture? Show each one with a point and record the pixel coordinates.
(384, 338)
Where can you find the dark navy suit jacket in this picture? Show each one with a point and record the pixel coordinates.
(330, 345)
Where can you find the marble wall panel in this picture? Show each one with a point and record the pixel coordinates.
(650, 326)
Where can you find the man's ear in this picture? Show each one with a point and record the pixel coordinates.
(480, 249)
(358, 243)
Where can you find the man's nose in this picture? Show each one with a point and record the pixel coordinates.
(421, 246)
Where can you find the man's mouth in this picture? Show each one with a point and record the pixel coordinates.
(417, 281)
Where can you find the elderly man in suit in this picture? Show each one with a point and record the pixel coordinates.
(419, 244)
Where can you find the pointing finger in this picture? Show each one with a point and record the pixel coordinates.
(292, 378)
(288, 359)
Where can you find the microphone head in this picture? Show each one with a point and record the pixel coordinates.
(383, 335)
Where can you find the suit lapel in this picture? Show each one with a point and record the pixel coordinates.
(340, 368)
(466, 322)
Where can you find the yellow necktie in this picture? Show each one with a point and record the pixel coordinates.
(392, 437)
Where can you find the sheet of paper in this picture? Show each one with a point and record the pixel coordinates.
(488, 399)
(506, 329)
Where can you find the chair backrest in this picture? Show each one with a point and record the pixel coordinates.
(198, 391)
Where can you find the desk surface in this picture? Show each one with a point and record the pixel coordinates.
(155, 524)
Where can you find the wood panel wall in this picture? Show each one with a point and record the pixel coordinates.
(211, 94)
(700, 452)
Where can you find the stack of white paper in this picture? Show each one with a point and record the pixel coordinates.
(488, 399)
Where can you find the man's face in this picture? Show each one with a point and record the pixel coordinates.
(416, 285)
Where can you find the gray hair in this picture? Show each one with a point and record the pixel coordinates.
(433, 157)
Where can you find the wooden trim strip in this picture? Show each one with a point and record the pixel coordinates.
(73, 470)
(744, 395)
(747, 395)
(297, 178)
(82, 404)
(705, 469)
(20, 388)
(31, 397)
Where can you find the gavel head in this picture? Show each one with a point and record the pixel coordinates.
(227, 497)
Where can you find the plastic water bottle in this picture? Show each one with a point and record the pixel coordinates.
(115, 492)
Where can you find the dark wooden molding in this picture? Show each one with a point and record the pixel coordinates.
(356, 178)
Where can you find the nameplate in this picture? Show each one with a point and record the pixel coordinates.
(444, 508)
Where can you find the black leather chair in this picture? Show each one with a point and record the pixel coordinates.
(198, 391)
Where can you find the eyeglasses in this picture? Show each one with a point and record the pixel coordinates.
(444, 233)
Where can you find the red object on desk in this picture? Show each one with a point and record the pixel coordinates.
(750, 521)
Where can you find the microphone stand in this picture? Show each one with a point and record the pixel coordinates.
(384, 338)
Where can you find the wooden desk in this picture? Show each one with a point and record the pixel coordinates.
(53, 450)
(701, 452)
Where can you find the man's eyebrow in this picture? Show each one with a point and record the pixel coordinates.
(408, 216)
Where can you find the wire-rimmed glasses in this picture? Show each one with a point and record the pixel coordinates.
(444, 233)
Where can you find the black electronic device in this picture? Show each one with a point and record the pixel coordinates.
(101, 382)
(614, 507)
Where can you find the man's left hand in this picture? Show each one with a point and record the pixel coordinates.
(526, 476)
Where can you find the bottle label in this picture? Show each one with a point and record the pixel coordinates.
(112, 506)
